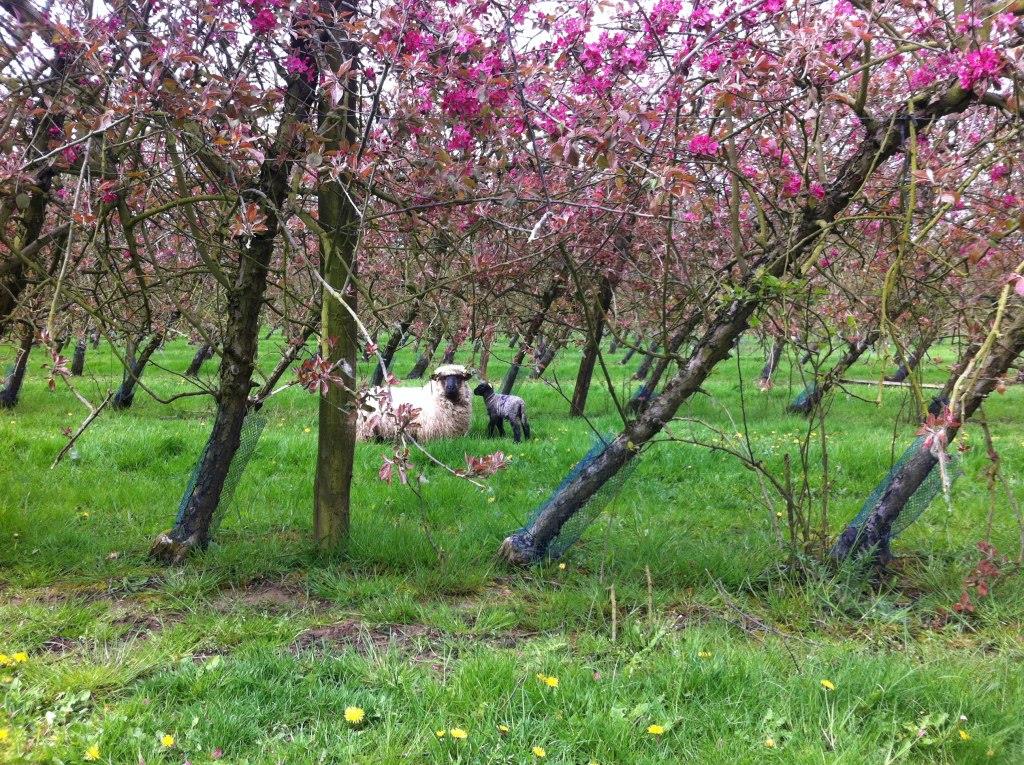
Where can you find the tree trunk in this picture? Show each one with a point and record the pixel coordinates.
(133, 370)
(394, 343)
(614, 345)
(906, 367)
(645, 366)
(641, 398)
(581, 390)
(807, 404)
(12, 386)
(240, 342)
(78, 360)
(771, 364)
(336, 437)
(195, 367)
(631, 349)
(420, 367)
(485, 357)
(449, 353)
(551, 294)
(782, 257)
(873, 536)
(549, 355)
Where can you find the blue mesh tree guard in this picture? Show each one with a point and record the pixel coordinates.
(252, 429)
(930, 488)
(573, 528)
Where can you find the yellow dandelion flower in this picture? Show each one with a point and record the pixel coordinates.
(306, 430)
(656, 730)
(964, 735)
(769, 743)
(439, 733)
(548, 680)
(20, 657)
(7, 661)
(538, 752)
(458, 734)
(354, 715)
(828, 685)
(167, 741)
(503, 729)
(92, 754)
(704, 654)
(5, 734)
(561, 567)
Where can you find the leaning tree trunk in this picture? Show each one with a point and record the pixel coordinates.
(645, 366)
(581, 390)
(420, 367)
(133, 370)
(13, 273)
(201, 356)
(551, 294)
(807, 404)
(12, 387)
(240, 341)
(336, 437)
(631, 350)
(872, 537)
(387, 355)
(614, 346)
(78, 359)
(485, 356)
(782, 257)
(643, 396)
(449, 353)
(909, 365)
(553, 347)
(771, 364)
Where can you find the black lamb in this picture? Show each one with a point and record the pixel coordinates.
(501, 407)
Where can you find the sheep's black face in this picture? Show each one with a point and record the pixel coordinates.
(452, 385)
(483, 389)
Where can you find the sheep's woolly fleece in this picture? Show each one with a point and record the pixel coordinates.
(439, 417)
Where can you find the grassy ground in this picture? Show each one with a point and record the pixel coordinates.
(252, 652)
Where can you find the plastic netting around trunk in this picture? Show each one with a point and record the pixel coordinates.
(802, 401)
(573, 528)
(252, 429)
(929, 489)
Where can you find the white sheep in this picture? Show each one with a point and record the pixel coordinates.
(444, 403)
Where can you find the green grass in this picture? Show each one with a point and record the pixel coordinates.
(424, 630)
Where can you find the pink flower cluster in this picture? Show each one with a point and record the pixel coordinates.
(704, 144)
(978, 66)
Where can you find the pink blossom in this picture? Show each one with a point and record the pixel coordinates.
(417, 42)
(590, 58)
(793, 185)
(1018, 285)
(70, 154)
(773, 6)
(461, 102)
(817, 191)
(263, 23)
(1010, 201)
(465, 40)
(461, 138)
(998, 172)
(701, 17)
(922, 77)
(979, 65)
(712, 61)
(297, 65)
(703, 144)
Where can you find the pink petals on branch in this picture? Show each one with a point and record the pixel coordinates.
(704, 144)
(978, 66)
